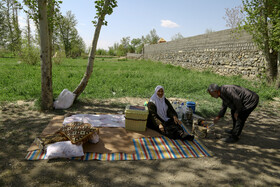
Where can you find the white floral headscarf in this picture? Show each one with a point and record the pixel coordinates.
(160, 103)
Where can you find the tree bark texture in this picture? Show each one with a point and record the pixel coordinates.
(80, 88)
(271, 56)
(278, 75)
(50, 28)
(46, 67)
(28, 32)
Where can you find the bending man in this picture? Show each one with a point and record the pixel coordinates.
(240, 100)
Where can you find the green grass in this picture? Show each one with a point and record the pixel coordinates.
(113, 79)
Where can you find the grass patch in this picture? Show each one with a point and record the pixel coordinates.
(113, 79)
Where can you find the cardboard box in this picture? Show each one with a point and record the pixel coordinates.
(136, 117)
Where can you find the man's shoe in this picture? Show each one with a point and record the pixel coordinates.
(229, 131)
(190, 137)
(230, 139)
(187, 137)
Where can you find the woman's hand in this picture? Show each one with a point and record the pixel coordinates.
(235, 116)
(161, 128)
(176, 120)
(216, 119)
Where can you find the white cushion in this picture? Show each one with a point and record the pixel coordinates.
(64, 149)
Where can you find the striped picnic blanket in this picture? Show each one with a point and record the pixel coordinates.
(146, 148)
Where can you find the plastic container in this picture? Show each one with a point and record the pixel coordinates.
(191, 104)
(180, 112)
(175, 105)
(183, 111)
(189, 114)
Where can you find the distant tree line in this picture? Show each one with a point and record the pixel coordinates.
(134, 45)
(24, 43)
(128, 45)
(10, 32)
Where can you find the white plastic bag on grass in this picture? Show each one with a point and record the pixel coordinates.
(64, 100)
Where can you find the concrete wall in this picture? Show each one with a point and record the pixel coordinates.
(223, 52)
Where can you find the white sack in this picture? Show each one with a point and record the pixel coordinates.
(64, 100)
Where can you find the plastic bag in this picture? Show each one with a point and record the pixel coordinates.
(94, 138)
(64, 100)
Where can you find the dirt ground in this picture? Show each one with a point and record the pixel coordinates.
(253, 161)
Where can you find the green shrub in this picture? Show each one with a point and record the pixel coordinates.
(30, 55)
(121, 53)
(111, 52)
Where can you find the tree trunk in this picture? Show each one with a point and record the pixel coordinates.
(278, 75)
(272, 67)
(11, 32)
(28, 32)
(50, 31)
(46, 71)
(17, 39)
(271, 57)
(80, 88)
(50, 27)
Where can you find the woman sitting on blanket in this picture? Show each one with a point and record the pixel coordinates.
(163, 118)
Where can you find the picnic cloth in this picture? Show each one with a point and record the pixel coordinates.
(121, 144)
(98, 120)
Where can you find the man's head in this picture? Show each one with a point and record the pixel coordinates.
(214, 90)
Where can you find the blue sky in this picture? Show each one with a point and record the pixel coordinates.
(136, 18)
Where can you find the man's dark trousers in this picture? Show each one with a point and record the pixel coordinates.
(241, 119)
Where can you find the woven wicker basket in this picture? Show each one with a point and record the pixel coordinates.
(136, 117)
(202, 128)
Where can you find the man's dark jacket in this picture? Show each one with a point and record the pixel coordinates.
(237, 98)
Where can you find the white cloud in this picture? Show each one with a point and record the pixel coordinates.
(168, 24)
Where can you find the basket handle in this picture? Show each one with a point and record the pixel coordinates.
(136, 119)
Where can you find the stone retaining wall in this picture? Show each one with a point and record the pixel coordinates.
(223, 52)
(134, 56)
